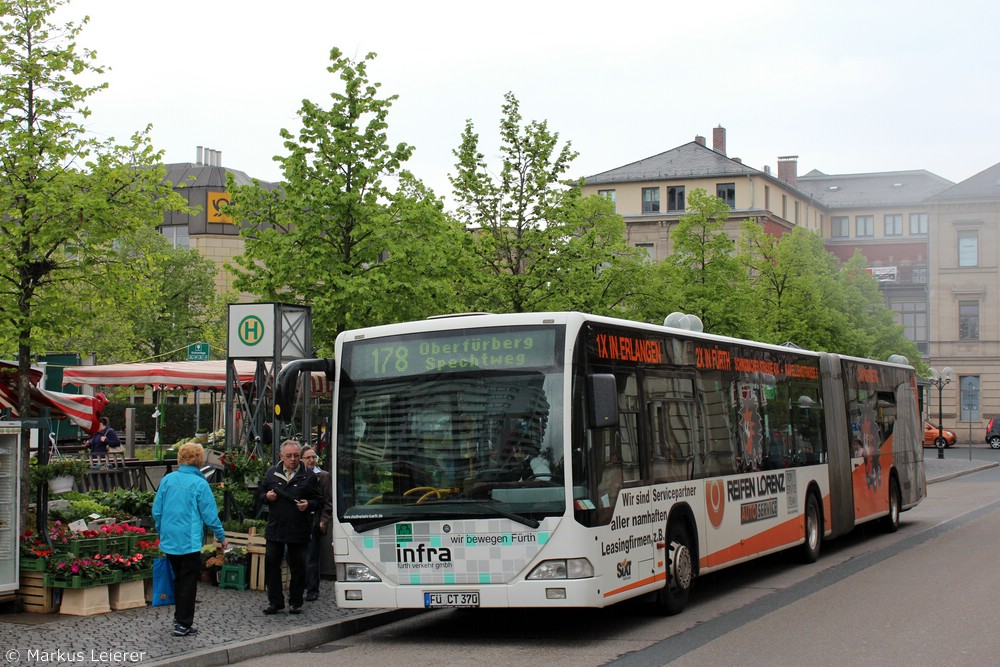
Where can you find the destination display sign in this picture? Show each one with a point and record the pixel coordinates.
(453, 352)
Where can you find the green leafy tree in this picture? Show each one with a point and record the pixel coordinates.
(537, 244)
(335, 236)
(876, 334)
(794, 287)
(702, 276)
(65, 197)
(807, 299)
(171, 303)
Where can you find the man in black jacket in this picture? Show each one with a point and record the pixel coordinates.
(292, 493)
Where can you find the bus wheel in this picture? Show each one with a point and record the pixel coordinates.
(814, 530)
(680, 570)
(890, 522)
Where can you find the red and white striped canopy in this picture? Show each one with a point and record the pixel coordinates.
(180, 374)
(84, 411)
(171, 374)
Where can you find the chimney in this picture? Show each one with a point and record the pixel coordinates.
(201, 152)
(700, 140)
(767, 169)
(788, 169)
(719, 140)
(738, 160)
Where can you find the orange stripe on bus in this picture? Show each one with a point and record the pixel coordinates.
(659, 576)
(779, 536)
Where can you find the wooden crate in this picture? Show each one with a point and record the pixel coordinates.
(257, 572)
(34, 595)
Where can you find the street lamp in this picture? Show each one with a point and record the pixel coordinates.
(939, 380)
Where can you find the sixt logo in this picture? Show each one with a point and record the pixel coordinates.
(625, 569)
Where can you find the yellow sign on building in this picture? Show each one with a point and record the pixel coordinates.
(216, 200)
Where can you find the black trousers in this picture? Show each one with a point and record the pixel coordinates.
(187, 567)
(313, 561)
(273, 554)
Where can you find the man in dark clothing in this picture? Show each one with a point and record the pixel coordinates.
(292, 493)
(320, 526)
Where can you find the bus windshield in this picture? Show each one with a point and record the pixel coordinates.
(455, 442)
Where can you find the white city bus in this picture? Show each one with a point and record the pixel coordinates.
(568, 460)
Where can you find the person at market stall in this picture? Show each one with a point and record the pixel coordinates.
(105, 440)
(292, 492)
(183, 507)
(320, 524)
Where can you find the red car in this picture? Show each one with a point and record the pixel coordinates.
(931, 435)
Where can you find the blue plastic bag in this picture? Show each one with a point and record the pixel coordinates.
(163, 582)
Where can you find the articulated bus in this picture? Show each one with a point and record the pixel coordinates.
(569, 460)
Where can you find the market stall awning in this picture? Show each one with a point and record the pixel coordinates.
(170, 374)
(173, 374)
(84, 411)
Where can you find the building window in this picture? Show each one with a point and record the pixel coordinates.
(784, 206)
(650, 250)
(969, 397)
(894, 224)
(767, 197)
(675, 198)
(796, 221)
(968, 320)
(968, 248)
(918, 224)
(913, 316)
(727, 193)
(840, 226)
(609, 195)
(176, 234)
(864, 225)
(651, 200)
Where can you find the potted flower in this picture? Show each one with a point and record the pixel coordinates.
(212, 561)
(59, 473)
(244, 468)
(34, 552)
(69, 571)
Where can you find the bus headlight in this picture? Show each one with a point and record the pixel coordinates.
(570, 568)
(355, 572)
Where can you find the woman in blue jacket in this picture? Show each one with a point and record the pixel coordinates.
(184, 504)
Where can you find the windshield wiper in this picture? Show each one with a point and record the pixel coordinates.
(378, 523)
(527, 521)
(372, 525)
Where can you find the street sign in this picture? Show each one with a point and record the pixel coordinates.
(198, 352)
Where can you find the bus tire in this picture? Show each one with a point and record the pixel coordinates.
(673, 596)
(813, 529)
(890, 522)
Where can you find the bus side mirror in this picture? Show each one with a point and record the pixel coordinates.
(602, 391)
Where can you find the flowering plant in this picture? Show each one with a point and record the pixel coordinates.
(211, 556)
(60, 533)
(243, 466)
(131, 563)
(32, 546)
(236, 556)
(148, 547)
(69, 565)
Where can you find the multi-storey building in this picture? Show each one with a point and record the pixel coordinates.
(964, 244)
(209, 231)
(931, 244)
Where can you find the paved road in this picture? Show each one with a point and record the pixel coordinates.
(232, 627)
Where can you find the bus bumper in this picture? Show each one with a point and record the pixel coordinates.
(554, 593)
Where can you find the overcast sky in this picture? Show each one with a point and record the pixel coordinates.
(848, 86)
